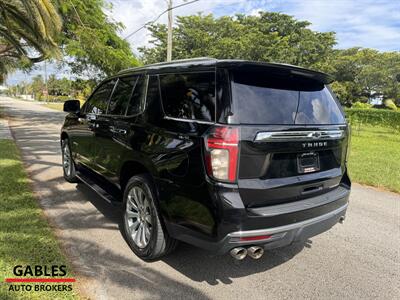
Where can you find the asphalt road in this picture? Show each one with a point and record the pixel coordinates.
(359, 259)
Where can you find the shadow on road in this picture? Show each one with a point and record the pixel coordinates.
(126, 273)
(200, 266)
(195, 263)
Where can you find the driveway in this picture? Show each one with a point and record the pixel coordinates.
(359, 259)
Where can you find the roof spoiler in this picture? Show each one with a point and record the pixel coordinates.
(280, 68)
(319, 76)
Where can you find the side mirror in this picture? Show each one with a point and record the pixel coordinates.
(72, 106)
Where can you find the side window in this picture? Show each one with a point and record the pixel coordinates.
(97, 103)
(121, 96)
(153, 91)
(153, 105)
(138, 97)
(189, 96)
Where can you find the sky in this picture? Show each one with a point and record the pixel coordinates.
(364, 23)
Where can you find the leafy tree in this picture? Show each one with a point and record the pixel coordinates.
(362, 74)
(391, 88)
(37, 86)
(52, 84)
(268, 36)
(64, 87)
(81, 88)
(28, 33)
(91, 39)
(59, 87)
(79, 28)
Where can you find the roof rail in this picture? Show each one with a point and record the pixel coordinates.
(166, 63)
(183, 60)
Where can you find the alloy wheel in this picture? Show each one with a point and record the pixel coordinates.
(138, 216)
(67, 160)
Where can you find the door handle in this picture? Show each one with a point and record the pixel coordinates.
(117, 130)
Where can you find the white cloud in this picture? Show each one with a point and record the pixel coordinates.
(364, 23)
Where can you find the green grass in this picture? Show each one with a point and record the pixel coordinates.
(56, 106)
(25, 236)
(375, 157)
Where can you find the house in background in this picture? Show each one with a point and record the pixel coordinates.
(375, 98)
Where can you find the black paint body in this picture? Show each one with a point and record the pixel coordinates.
(194, 207)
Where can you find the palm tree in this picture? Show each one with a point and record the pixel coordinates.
(28, 32)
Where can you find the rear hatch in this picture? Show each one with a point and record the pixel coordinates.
(293, 136)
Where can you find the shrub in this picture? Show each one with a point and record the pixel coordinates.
(39, 97)
(382, 117)
(389, 103)
(361, 105)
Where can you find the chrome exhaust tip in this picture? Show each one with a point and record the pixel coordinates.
(341, 219)
(239, 253)
(255, 252)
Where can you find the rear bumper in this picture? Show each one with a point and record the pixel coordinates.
(280, 224)
(285, 235)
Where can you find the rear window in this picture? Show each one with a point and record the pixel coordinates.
(260, 98)
(189, 95)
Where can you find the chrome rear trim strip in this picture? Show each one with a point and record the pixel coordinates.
(266, 136)
(268, 231)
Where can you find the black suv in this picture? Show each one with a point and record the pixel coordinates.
(228, 155)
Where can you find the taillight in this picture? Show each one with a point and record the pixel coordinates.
(222, 149)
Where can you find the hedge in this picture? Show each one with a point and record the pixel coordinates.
(381, 117)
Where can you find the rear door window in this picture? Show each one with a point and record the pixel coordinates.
(189, 95)
(138, 97)
(260, 98)
(122, 95)
(97, 103)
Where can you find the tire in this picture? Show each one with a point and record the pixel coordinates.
(142, 225)
(68, 164)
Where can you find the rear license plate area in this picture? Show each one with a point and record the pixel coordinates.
(308, 162)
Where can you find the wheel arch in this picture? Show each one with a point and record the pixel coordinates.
(131, 168)
(63, 136)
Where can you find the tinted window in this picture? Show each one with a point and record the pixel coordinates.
(153, 91)
(121, 96)
(260, 98)
(153, 104)
(137, 100)
(189, 96)
(97, 104)
(318, 107)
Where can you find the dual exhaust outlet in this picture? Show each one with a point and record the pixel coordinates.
(254, 252)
